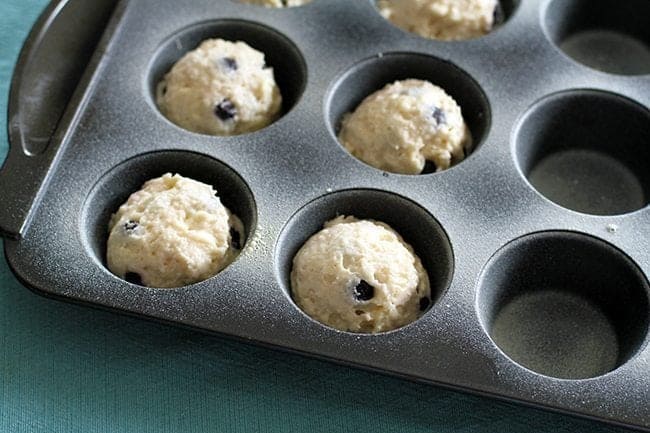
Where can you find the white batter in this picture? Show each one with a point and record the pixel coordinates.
(359, 276)
(405, 124)
(220, 88)
(277, 3)
(441, 19)
(171, 233)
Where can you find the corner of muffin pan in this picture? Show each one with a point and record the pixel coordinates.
(410, 220)
(115, 186)
(289, 66)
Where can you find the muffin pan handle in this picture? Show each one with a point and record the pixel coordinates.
(49, 67)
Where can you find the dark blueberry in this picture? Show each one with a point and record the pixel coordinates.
(225, 110)
(133, 278)
(229, 63)
(364, 291)
(424, 303)
(235, 239)
(429, 167)
(498, 15)
(129, 226)
(439, 116)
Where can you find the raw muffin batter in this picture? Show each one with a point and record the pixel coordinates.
(441, 19)
(171, 233)
(402, 126)
(277, 3)
(220, 88)
(359, 276)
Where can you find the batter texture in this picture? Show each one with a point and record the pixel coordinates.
(220, 88)
(171, 233)
(359, 276)
(277, 3)
(402, 126)
(441, 19)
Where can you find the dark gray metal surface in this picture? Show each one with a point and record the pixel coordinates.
(43, 84)
(287, 179)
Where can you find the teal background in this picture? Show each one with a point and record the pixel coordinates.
(66, 368)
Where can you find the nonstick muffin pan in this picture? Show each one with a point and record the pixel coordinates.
(537, 245)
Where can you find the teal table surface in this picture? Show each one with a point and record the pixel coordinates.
(65, 368)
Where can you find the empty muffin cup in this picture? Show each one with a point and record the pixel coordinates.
(608, 36)
(564, 304)
(587, 151)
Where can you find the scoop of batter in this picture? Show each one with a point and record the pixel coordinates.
(277, 3)
(359, 276)
(220, 88)
(441, 19)
(171, 233)
(402, 126)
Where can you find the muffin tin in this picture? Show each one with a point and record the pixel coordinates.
(537, 245)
